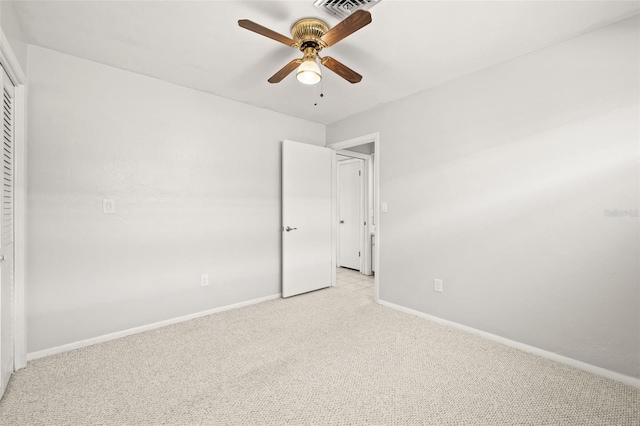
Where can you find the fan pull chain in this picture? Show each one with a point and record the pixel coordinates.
(321, 92)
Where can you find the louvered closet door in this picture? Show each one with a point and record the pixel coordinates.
(6, 236)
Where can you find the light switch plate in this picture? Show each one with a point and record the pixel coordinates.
(383, 207)
(108, 206)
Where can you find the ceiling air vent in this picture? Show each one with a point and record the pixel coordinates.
(343, 8)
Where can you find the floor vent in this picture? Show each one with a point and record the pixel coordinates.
(343, 8)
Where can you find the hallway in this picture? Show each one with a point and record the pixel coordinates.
(353, 280)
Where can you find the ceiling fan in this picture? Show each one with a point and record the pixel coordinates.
(311, 35)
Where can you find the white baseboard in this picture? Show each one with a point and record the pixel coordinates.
(111, 336)
(632, 381)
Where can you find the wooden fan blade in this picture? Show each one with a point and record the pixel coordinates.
(285, 71)
(342, 70)
(348, 26)
(257, 28)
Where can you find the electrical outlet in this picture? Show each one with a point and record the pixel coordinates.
(437, 285)
(204, 280)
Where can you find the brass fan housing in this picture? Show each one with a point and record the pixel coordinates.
(308, 33)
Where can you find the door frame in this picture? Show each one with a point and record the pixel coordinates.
(362, 207)
(336, 147)
(9, 62)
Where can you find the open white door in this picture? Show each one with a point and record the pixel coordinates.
(306, 218)
(6, 233)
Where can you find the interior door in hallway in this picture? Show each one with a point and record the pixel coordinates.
(6, 235)
(350, 218)
(306, 218)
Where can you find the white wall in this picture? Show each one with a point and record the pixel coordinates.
(497, 183)
(11, 28)
(196, 183)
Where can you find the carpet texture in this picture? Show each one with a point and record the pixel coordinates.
(331, 357)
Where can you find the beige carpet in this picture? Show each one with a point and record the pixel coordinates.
(330, 357)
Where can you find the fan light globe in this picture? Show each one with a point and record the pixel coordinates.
(309, 73)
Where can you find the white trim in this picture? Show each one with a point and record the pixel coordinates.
(11, 65)
(353, 154)
(351, 160)
(628, 380)
(19, 237)
(8, 58)
(362, 140)
(367, 266)
(143, 328)
(334, 217)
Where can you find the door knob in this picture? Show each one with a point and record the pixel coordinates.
(2, 258)
(342, 221)
(288, 229)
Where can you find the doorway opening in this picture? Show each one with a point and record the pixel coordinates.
(355, 228)
(354, 281)
(352, 212)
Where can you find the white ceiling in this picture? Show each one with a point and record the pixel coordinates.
(410, 46)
